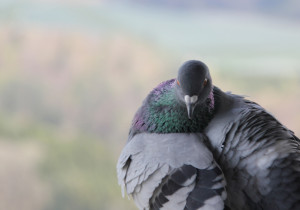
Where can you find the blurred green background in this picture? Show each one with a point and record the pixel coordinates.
(72, 74)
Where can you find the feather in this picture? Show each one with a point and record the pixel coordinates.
(165, 170)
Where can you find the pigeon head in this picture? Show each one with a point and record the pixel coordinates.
(194, 85)
(182, 105)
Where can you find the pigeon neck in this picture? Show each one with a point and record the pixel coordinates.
(161, 113)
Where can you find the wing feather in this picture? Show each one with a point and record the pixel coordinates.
(162, 171)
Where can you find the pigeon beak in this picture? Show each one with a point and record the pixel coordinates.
(190, 110)
(190, 102)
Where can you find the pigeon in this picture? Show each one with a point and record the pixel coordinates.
(244, 159)
(166, 162)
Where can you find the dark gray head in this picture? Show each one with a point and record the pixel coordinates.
(194, 84)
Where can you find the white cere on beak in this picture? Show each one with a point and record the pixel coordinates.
(190, 99)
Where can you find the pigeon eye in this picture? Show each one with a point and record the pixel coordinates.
(178, 83)
(205, 82)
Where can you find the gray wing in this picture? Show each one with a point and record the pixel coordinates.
(259, 157)
(171, 171)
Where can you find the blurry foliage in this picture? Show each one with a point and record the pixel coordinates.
(82, 175)
(70, 107)
(74, 172)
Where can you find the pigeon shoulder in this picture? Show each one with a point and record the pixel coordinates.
(235, 110)
(258, 155)
(229, 108)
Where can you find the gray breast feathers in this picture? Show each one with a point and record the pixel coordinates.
(171, 171)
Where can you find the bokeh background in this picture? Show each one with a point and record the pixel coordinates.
(72, 74)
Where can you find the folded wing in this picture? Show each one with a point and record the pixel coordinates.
(171, 171)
